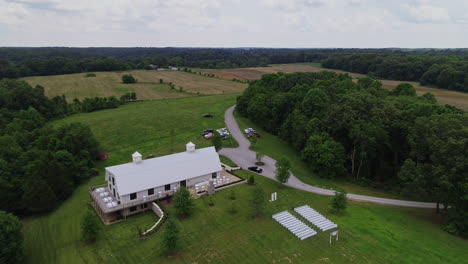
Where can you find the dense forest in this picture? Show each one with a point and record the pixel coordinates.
(393, 140)
(40, 165)
(448, 72)
(19, 62)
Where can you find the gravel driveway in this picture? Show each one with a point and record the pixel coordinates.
(244, 158)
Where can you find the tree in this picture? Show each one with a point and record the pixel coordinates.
(251, 180)
(324, 155)
(183, 202)
(217, 142)
(259, 156)
(128, 78)
(170, 237)
(282, 170)
(11, 238)
(161, 81)
(404, 89)
(232, 195)
(257, 202)
(339, 202)
(89, 226)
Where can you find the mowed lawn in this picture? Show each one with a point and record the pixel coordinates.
(369, 233)
(148, 87)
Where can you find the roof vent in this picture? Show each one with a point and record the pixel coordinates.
(136, 157)
(190, 147)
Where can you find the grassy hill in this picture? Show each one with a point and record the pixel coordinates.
(369, 233)
(147, 88)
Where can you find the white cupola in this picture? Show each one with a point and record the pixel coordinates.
(190, 147)
(136, 157)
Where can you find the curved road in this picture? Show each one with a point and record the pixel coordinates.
(244, 158)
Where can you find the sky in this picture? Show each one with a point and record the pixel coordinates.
(235, 23)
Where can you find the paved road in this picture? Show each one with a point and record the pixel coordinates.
(244, 158)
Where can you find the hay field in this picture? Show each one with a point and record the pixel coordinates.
(148, 86)
(255, 73)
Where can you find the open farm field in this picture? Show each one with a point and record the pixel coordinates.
(148, 87)
(256, 73)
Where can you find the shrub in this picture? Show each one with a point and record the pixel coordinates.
(171, 237)
(339, 202)
(282, 170)
(183, 202)
(217, 142)
(257, 202)
(210, 201)
(89, 226)
(90, 75)
(232, 195)
(128, 78)
(251, 180)
(232, 209)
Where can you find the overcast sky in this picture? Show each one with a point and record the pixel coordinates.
(235, 23)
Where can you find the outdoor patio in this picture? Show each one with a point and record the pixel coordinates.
(224, 179)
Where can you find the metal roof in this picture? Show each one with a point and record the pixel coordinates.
(135, 177)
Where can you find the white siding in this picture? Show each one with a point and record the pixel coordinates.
(113, 185)
(190, 182)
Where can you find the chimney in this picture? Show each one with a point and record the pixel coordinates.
(136, 157)
(190, 147)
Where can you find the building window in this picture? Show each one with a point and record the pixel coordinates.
(110, 188)
(167, 187)
(151, 191)
(113, 181)
(132, 196)
(183, 183)
(213, 175)
(143, 206)
(133, 209)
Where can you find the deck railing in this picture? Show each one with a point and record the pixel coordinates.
(103, 205)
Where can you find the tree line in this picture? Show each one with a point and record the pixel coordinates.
(40, 164)
(392, 140)
(19, 62)
(447, 72)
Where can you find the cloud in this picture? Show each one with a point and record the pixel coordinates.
(428, 13)
(271, 23)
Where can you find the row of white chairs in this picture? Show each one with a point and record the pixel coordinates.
(315, 218)
(294, 225)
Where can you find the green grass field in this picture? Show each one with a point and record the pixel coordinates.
(369, 233)
(148, 87)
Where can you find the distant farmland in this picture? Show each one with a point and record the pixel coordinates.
(443, 96)
(147, 88)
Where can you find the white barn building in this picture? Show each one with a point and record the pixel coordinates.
(132, 186)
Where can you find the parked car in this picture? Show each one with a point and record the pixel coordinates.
(223, 132)
(250, 132)
(255, 169)
(208, 135)
(206, 131)
(207, 115)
